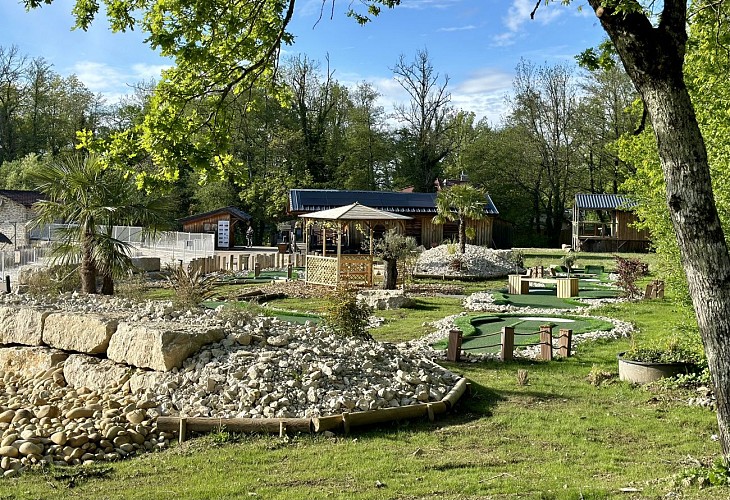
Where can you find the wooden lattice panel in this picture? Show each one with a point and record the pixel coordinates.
(356, 269)
(322, 270)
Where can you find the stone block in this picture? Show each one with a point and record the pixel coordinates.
(96, 374)
(22, 325)
(30, 361)
(145, 381)
(86, 333)
(158, 347)
(146, 264)
(381, 300)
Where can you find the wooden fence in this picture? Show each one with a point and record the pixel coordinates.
(246, 262)
(507, 343)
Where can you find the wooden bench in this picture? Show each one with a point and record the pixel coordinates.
(520, 285)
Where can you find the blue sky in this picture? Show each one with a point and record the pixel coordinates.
(477, 43)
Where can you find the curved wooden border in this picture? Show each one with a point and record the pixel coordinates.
(344, 421)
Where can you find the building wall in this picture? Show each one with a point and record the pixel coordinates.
(210, 225)
(13, 217)
(626, 230)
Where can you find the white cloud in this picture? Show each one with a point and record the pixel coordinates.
(485, 80)
(428, 4)
(458, 28)
(484, 93)
(519, 13)
(142, 71)
(115, 82)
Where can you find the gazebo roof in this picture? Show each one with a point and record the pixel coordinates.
(355, 211)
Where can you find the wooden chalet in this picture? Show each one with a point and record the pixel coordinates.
(420, 207)
(605, 223)
(222, 222)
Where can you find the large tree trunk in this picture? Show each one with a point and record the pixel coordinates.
(653, 57)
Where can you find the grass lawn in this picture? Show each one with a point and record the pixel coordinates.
(562, 435)
(556, 437)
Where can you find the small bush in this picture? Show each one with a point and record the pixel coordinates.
(523, 378)
(629, 271)
(135, 287)
(597, 377)
(347, 316)
(191, 287)
(52, 280)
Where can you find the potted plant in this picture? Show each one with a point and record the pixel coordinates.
(644, 364)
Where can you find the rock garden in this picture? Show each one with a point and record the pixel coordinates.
(85, 379)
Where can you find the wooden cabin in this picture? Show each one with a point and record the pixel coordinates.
(605, 223)
(223, 222)
(421, 207)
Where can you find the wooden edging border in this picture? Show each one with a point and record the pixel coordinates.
(344, 421)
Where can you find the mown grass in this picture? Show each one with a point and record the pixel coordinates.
(556, 437)
(559, 436)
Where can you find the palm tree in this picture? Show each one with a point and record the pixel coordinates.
(92, 198)
(463, 203)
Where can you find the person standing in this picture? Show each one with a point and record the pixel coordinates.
(249, 236)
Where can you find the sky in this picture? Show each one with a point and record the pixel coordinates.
(475, 43)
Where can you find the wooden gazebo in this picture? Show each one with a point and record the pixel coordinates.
(606, 223)
(331, 266)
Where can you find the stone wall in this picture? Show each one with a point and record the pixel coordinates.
(33, 340)
(13, 217)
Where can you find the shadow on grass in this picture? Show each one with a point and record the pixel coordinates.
(420, 305)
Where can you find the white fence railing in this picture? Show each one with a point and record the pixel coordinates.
(169, 246)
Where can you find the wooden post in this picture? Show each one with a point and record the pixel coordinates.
(256, 269)
(7, 284)
(564, 342)
(346, 422)
(289, 271)
(431, 415)
(546, 342)
(453, 350)
(282, 429)
(508, 343)
(182, 431)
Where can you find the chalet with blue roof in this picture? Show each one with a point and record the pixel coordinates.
(421, 207)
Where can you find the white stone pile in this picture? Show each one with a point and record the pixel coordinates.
(60, 407)
(276, 369)
(479, 262)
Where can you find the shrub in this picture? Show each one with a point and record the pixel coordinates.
(629, 271)
(52, 280)
(347, 316)
(191, 286)
(135, 287)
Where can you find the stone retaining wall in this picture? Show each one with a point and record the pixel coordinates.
(34, 340)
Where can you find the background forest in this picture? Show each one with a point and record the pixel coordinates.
(309, 131)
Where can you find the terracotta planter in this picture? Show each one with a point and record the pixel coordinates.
(641, 372)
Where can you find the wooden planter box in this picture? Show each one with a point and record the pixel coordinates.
(567, 287)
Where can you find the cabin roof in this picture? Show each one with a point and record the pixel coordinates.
(25, 198)
(313, 200)
(604, 202)
(234, 212)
